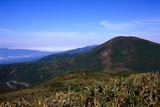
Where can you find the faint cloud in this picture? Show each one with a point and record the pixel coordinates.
(92, 33)
(150, 21)
(47, 40)
(6, 30)
(116, 26)
(154, 20)
(47, 34)
(137, 22)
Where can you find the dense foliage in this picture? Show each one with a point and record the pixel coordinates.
(139, 90)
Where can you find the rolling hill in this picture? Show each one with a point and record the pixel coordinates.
(118, 55)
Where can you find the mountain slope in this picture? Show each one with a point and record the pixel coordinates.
(44, 69)
(122, 54)
(90, 89)
(68, 54)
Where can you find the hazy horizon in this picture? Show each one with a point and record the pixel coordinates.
(49, 49)
(54, 49)
(59, 25)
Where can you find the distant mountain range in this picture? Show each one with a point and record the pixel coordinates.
(8, 56)
(118, 55)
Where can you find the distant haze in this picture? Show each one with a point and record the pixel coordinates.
(58, 25)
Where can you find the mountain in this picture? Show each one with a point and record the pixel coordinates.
(121, 54)
(118, 55)
(68, 54)
(8, 56)
(43, 69)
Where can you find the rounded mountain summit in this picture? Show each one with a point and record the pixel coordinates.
(121, 54)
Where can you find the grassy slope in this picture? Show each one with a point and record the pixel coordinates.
(90, 89)
(76, 80)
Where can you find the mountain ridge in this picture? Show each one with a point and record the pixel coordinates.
(69, 53)
(118, 55)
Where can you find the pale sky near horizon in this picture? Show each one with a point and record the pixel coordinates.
(57, 25)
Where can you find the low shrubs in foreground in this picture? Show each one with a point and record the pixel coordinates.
(137, 90)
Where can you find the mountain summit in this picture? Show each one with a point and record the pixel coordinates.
(122, 54)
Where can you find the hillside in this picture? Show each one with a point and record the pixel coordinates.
(68, 54)
(121, 54)
(42, 70)
(118, 55)
(90, 89)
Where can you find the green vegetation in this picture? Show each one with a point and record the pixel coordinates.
(120, 54)
(90, 89)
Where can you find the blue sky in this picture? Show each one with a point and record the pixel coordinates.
(57, 25)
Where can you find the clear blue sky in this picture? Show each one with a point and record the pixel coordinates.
(66, 24)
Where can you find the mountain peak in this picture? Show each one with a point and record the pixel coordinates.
(130, 39)
(125, 38)
(122, 54)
